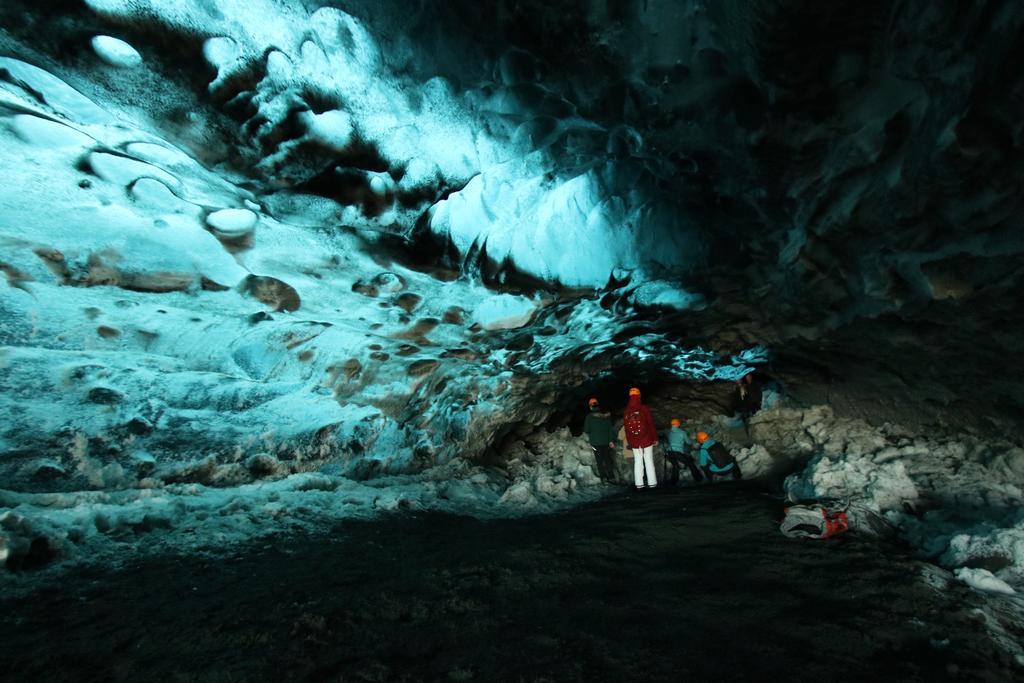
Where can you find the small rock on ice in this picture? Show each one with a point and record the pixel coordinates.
(983, 580)
(232, 221)
(378, 185)
(504, 312)
(666, 295)
(116, 52)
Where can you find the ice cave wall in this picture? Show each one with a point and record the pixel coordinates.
(852, 171)
(216, 281)
(263, 229)
(272, 263)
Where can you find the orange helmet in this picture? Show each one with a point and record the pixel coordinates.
(702, 437)
(592, 402)
(676, 422)
(634, 391)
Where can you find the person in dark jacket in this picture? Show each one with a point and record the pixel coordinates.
(748, 398)
(715, 459)
(598, 427)
(679, 452)
(641, 435)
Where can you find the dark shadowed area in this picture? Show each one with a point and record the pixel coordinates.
(693, 583)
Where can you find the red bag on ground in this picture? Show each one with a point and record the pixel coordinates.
(814, 521)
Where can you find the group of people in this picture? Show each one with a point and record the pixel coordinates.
(702, 455)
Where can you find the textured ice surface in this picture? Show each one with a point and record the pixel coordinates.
(183, 367)
(56, 95)
(328, 108)
(577, 230)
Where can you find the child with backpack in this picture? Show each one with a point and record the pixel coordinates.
(641, 435)
(715, 459)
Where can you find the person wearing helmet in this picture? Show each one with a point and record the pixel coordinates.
(715, 459)
(641, 435)
(597, 425)
(679, 446)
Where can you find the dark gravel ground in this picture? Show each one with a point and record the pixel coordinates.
(690, 584)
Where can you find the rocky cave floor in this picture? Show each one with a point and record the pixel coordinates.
(688, 583)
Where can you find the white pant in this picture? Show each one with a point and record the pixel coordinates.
(644, 457)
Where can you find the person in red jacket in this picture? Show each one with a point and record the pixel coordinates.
(641, 435)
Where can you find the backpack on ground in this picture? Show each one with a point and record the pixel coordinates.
(720, 457)
(634, 424)
(814, 521)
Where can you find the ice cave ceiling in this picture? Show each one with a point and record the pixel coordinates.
(397, 228)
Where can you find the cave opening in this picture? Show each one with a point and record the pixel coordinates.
(666, 396)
